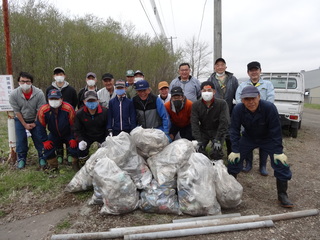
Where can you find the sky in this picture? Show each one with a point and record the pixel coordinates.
(283, 35)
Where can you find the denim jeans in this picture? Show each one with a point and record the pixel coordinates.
(22, 140)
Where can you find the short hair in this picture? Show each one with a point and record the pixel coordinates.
(184, 64)
(207, 83)
(25, 75)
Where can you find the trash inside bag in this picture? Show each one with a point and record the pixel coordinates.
(118, 191)
(229, 190)
(165, 164)
(196, 189)
(159, 199)
(149, 141)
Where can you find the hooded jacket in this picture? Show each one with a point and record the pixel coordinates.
(69, 94)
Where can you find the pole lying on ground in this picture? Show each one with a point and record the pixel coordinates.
(120, 232)
(200, 231)
(206, 217)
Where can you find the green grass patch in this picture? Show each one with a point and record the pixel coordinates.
(65, 224)
(312, 106)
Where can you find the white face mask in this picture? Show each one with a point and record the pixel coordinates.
(220, 74)
(91, 83)
(59, 78)
(25, 87)
(207, 96)
(55, 103)
(138, 79)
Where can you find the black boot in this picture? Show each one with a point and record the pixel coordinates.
(248, 166)
(263, 163)
(282, 187)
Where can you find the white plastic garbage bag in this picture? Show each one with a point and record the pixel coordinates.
(229, 190)
(118, 191)
(149, 141)
(196, 187)
(165, 164)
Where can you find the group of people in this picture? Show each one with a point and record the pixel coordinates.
(212, 112)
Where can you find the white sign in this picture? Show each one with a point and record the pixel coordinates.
(6, 87)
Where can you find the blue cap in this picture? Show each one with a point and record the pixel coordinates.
(250, 92)
(142, 85)
(54, 93)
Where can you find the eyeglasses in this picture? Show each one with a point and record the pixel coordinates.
(27, 82)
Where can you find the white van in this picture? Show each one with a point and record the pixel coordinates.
(289, 97)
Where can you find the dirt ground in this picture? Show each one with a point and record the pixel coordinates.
(37, 218)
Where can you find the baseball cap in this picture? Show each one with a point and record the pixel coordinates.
(254, 65)
(90, 95)
(219, 60)
(54, 93)
(207, 83)
(163, 84)
(249, 92)
(58, 70)
(120, 83)
(142, 85)
(138, 72)
(130, 73)
(107, 76)
(176, 91)
(91, 74)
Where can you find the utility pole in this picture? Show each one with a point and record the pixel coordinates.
(7, 36)
(217, 32)
(171, 38)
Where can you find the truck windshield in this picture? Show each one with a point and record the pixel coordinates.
(284, 83)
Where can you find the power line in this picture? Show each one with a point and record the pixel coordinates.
(204, 7)
(174, 25)
(155, 11)
(148, 19)
(162, 16)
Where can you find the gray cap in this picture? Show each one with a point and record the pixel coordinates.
(250, 92)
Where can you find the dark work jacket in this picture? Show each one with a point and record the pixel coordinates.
(81, 96)
(69, 94)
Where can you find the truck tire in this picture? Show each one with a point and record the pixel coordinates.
(294, 132)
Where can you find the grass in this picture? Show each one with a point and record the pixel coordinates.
(313, 106)
(65, 224)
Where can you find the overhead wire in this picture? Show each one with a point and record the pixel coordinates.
(148, 19)
(161, 13)
(204, 7)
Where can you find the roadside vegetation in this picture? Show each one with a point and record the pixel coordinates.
(312, 106)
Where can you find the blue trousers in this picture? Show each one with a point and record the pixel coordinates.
(57, 142)
(281, 172)
(22, 140)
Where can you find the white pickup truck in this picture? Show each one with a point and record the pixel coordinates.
(289, 97)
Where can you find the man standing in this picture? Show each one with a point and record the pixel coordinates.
(262, 128)
(210, 120)
(225, 85)
(164, 94)
(179, 110)
(106, 93)
(150, 110)
(91, 85)
(90, 125)
(189, 84)
(130, 91)
(58, 116)
(121, 112)
(266, 90)
(25, 102)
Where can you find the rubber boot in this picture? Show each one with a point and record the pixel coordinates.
(53, 164)
(75, 164)
(263, 164)
(60, 155)
(248, 166)
(21, 162)
(282, 187)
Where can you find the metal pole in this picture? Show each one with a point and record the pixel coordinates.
(7, 36)
(217, 32)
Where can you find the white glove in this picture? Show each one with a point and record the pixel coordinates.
(216, 145)
(282, 158)
(82, 145)
(234, 157)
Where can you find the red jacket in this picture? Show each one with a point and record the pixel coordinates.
(182, 118)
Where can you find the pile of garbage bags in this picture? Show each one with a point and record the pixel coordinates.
(142, 170)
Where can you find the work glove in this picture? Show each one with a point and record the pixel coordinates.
(110, 132)
(216, 144)
(83, 145)
(282, 158)
(48, 145)
(234, 158)
(73, 143)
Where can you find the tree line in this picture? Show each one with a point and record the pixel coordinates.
(42, 38)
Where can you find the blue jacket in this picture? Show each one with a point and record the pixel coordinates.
(262, 126)
(265, 88)
(121, 114)
(151, 113)
(60, 124)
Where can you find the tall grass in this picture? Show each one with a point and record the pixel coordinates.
(313, 106)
